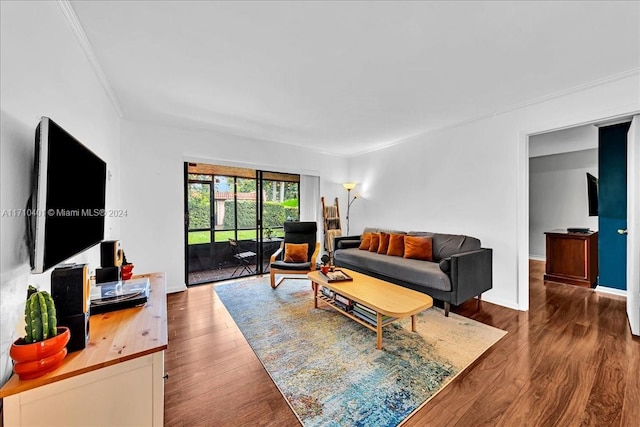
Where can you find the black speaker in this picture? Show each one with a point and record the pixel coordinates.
(78, 325)
(107, 274)
(70, 290)
(111, 253)
(70, 293)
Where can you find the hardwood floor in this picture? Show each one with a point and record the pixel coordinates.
(569, 361)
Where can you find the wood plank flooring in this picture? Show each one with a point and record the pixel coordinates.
(569, 361)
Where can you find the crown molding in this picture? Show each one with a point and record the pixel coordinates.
(73, 21)
(574, 89)
(594, 83)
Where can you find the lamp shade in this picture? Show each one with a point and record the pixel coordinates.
(349, 185)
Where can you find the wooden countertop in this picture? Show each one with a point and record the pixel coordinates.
(114, 337)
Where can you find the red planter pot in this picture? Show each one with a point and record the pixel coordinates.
(36, 359)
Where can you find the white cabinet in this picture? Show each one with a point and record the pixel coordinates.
(117, 380)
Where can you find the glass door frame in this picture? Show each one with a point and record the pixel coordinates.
(260, 177)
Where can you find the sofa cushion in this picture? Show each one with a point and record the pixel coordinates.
(445, 245)
(418, 247)
(420, 233)
(293, 266)
(365, 242)
(375, 242)
(396, 245)
(384, 243)
(420, 273)
(378, 230)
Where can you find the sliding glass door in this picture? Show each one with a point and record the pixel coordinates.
(279, 202)
(234, 220)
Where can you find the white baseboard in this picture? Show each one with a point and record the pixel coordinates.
(612, 291)
(176, 288)
(538, 258)
(500, 301)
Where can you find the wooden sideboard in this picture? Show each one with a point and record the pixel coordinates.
(117, 380)
(572, 258)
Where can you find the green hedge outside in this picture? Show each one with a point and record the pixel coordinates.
(274, 214)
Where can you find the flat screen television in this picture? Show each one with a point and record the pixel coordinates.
(592, 194)
(68, 199)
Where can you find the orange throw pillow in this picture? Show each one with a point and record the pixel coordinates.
(384, 243)
(375, 242)
(418, 247)
(366, 242)
(396, 245)
(296, 252)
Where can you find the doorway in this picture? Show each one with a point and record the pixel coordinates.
(234, 220)
(633, 214)
(577, 179)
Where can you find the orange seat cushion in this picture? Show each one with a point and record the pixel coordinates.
(418, 247)
(296, 252)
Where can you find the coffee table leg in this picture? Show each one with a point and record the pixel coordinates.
(413, 323)
(379, 331)
(315, 294)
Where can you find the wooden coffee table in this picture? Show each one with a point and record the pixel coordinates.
(383, 298)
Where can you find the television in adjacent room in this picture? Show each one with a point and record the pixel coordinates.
(68, 199)
(592, 194)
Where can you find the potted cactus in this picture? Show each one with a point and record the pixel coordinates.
(44, 346)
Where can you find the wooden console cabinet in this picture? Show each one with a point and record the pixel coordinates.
(572, 258)
(117, 380)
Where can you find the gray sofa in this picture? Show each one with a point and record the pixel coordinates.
(461, 269)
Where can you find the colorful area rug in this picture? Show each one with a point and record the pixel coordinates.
(327, 365)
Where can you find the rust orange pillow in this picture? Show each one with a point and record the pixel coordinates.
(375, 242)
(366, 242)
(296, 252)
(396, 245)
(384, 243)
(418, 247)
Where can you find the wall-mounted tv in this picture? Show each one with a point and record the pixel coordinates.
(68, 199)
(592, 194)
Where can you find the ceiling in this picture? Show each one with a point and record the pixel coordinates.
(349, 77)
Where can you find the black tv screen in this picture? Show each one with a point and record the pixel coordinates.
(592, 194)
(68, 201)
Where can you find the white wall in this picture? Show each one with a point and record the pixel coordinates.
(153, 185)
(44, 72)
(558, 195)
(473, 178)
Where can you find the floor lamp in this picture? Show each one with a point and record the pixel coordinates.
(350, 186)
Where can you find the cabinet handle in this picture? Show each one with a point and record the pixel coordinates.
(623, 231)
(165, 376)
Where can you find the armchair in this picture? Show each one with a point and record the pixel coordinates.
(285, 261)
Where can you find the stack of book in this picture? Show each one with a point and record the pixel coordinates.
(343, 302)
(368, 315)
(327, 292)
